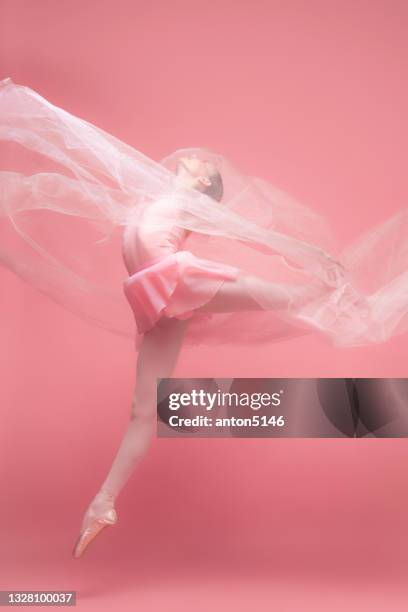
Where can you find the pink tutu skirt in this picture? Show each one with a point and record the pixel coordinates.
(174, 286)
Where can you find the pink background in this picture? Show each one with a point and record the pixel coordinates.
(312, 96)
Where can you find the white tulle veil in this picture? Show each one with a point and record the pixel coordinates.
(68, 188)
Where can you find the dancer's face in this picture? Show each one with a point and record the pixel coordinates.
(195, 172)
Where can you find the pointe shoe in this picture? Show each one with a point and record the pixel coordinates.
(92, 525)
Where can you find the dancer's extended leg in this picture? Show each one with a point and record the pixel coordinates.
(157, 357)
(248, 292)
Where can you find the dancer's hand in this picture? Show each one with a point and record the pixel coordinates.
(333, 270)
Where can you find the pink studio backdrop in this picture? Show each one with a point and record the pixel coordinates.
(311, 96)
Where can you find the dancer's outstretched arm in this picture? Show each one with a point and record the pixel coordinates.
(304, 255)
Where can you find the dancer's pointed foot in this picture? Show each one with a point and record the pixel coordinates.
(100, 514)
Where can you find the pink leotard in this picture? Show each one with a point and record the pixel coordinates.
(165, 280)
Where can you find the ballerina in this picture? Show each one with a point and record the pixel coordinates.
(212, 257)
(162, 315)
